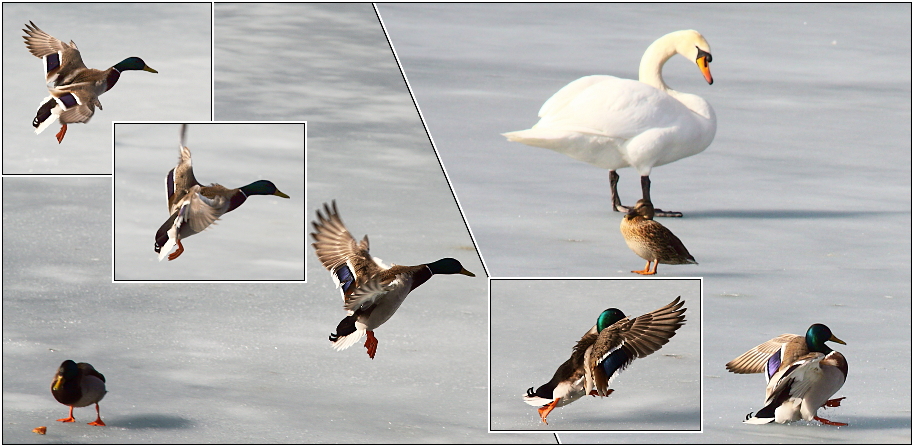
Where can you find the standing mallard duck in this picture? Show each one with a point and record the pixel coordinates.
(195, 207)
(651, 240)
(606, 349)
(802, 372)
(371, 291)
(78, 385)
(74, 88)
(612, 123)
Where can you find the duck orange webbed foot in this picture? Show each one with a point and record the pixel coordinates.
(546, 409)
(371, 344)
(177, 252)
(61, 133)
(69, 418)
(827, 422)
(833, 402)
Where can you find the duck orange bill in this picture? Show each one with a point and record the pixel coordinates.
(705, 69)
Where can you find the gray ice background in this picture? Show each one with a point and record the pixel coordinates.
(264, 239)
(245, 363)
(174, 39)
(535, 325)
(799, 212)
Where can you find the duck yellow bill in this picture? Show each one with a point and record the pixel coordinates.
(466, 272)
(280, 194)
(705, 69)
(149, 69)
(58, 383)
(836, 340)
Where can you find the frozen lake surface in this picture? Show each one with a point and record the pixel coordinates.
(799, 212)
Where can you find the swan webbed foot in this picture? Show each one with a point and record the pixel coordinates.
(662, 213)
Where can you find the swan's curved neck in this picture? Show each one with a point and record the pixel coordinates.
(652, 62)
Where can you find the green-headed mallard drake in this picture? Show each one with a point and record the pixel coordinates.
(195, 207)
(74, 88)
(371, 290)
(612, 123)
(651, 240)
(78, 385)
(606, 349)
(802, 373)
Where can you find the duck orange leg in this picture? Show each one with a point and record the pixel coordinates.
(833, 402)
(177, 252)
(371, 343)
(647, 269)
(69, 418)
(546, 409)
(827, 422)
(98, 419)
(61, 133)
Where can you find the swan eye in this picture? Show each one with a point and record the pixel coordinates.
(703, 53)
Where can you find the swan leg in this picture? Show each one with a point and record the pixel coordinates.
(833, 402)
(60, 135)
(371, 343)
(647, 270)
(646, 195)
(98, 420)
(827, 422)
(614, 192)
(68, 418)
(546, 409)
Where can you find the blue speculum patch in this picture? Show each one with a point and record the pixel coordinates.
(68, 100)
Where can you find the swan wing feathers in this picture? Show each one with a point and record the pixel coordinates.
(611, 107)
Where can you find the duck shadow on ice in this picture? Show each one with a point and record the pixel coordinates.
(789, 214)
(673, 420)
(147, 421)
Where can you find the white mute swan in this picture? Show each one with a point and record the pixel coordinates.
(612, 123)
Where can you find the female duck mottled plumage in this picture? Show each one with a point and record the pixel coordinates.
(604, 351)
(74, 88)
(651, 240)
(195, 207)
(372, 292)
(78, 385)
(802, 373)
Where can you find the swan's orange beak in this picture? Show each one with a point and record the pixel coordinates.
(705, 69)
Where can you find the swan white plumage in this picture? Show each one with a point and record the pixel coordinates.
(612, 123)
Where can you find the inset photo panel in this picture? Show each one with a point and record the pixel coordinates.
(595, 355)
(238, 188)
(71, 69)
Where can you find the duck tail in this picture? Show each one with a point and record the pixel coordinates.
(48, 112)
(348, 333)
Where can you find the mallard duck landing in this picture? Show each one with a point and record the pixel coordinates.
(603, 352)
(371, 290)
(78, 385)
(651, 240)
(74, 88)
(612, 123)
(195, 207)
(802, 373)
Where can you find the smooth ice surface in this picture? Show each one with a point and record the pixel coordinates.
(535, 325)
(799, 212)
(263, 239)
(171, 38)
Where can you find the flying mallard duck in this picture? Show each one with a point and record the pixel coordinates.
(612, 123)
(74, 88)
(371, 291)
(651, 240)
(802, 372)
(195, 207)
(606, 349)
(78, 385)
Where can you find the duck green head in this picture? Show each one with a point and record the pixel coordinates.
(816, 337)
(262, 188)
(68, 370)
(133, 63)
(608, 318)
(448, 266)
